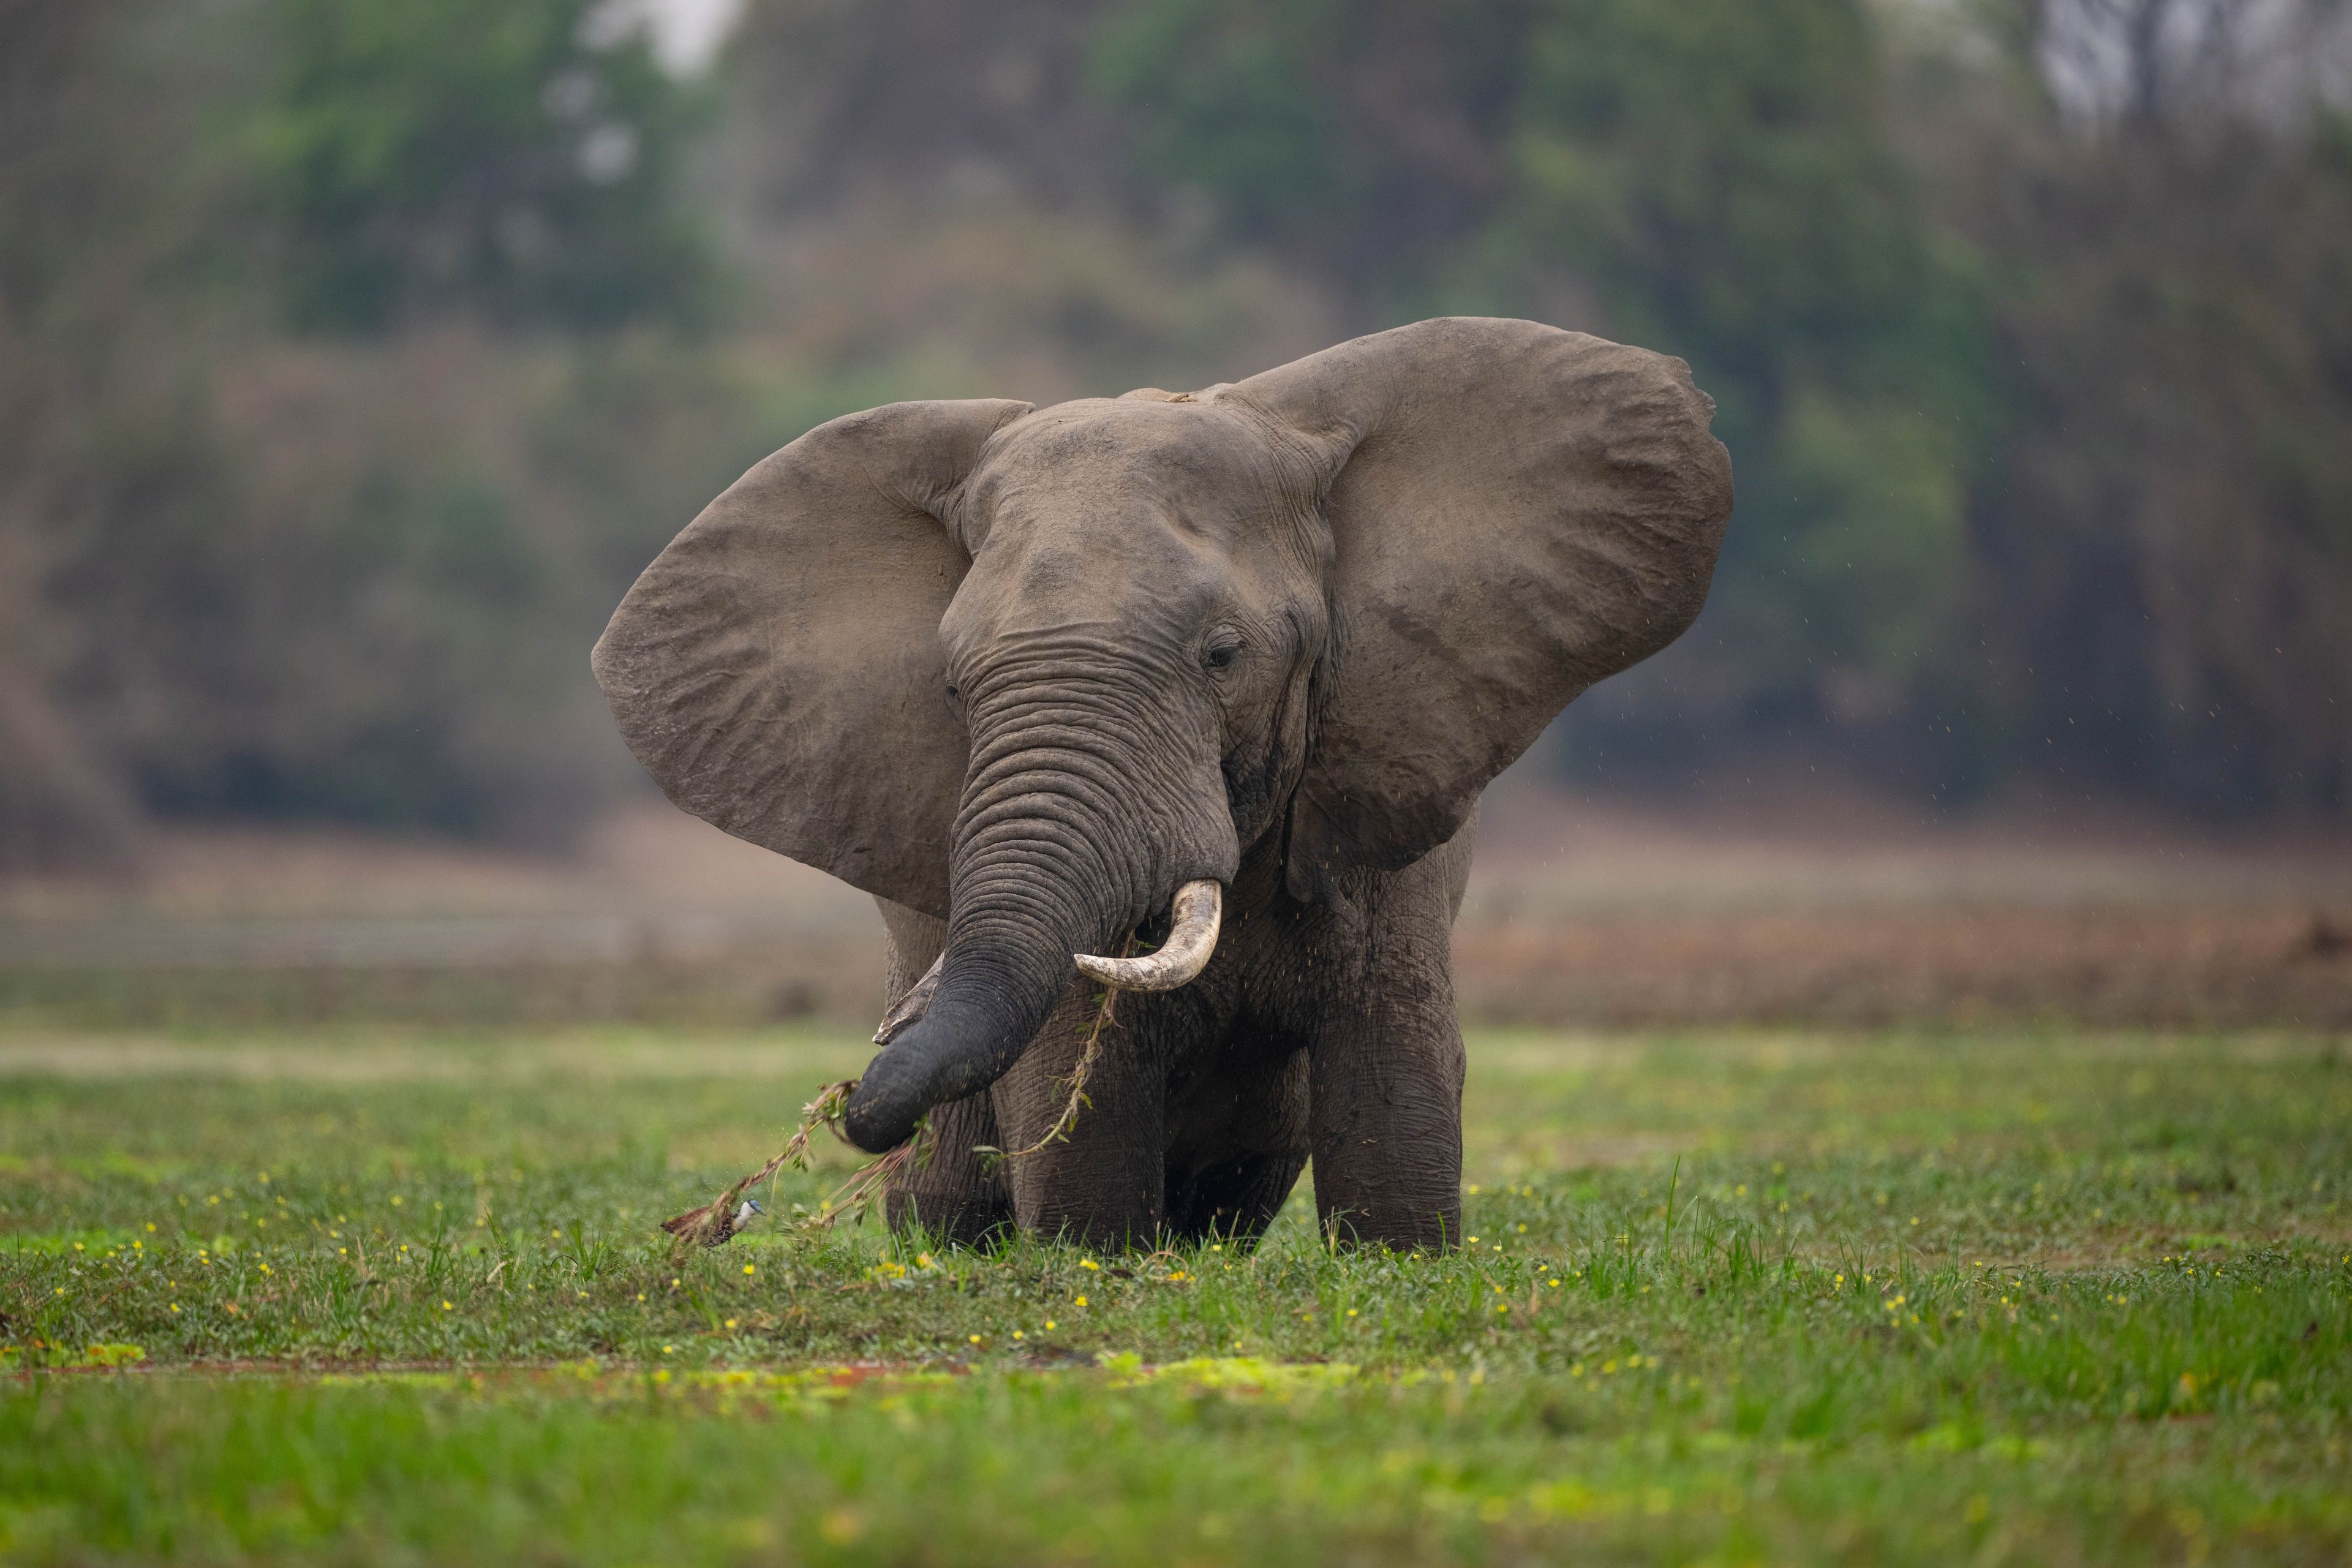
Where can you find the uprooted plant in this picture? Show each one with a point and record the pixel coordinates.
(716, 1222)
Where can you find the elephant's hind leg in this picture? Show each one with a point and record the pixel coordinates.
(1238, 1138)
(1233, 1201)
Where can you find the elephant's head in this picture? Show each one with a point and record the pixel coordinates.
(1033, 671)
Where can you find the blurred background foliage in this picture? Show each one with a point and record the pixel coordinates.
(515, 159)
(355, 353)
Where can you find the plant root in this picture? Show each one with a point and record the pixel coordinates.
(716, 1222)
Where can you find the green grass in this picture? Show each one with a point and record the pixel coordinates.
(1733, 1297)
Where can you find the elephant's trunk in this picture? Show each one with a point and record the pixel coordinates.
(1082, 814)
(973, 1033)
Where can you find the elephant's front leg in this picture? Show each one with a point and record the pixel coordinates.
(951, 1194)
(1385, 1067)
(1387, 1125)
(1100, 1179)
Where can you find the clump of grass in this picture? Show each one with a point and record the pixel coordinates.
(1733, 1297)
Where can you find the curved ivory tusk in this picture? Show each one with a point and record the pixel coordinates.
(1199, 908)
(908, 1010)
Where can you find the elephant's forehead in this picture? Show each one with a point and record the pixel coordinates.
(1193, 460)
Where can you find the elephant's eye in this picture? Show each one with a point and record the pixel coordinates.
(1221, 654)
(953, 691)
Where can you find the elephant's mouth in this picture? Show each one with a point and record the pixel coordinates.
(908, 1079)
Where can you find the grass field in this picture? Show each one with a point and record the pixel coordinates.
(1732, 1296)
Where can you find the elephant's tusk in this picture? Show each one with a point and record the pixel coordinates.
(1199, 910)
(908, 1010)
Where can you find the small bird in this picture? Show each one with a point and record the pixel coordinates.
(719, 1233)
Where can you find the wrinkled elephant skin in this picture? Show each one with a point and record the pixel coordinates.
(1023, 674)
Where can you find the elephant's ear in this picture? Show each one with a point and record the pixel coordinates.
(778, 669)
(1516, 512)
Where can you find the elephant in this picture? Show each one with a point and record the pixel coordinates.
(1031, 677)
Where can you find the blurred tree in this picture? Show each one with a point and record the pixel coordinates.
(1713, 179)
(75, 259)
(929, 200)
(1720, 171)
(935, 105)
(350, 578)
(2170, 527)
(1360, 137)
(517, 159)
(2040, 386)
(2133, 64)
